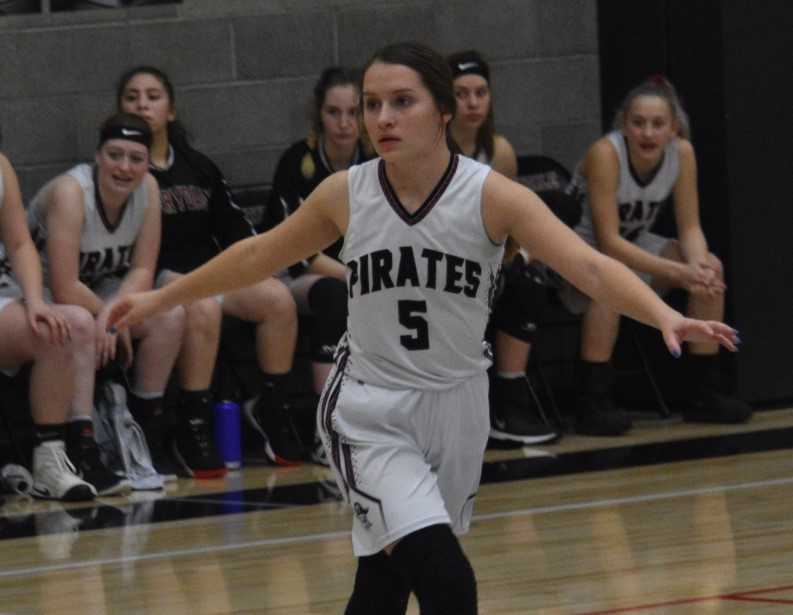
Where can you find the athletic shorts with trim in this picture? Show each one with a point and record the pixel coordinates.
(404, 459)
(577, 302)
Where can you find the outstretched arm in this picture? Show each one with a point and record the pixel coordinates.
(314, 226)
(511, 209)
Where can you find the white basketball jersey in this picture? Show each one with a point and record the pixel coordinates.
(638, 203)
(105, 250)
(420, 284)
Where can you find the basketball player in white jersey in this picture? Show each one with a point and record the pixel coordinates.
(57, 339)
(624, 179)
(404, 415)
(98, 230)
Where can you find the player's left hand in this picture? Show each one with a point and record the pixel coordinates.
(47, 323)
(685, 329)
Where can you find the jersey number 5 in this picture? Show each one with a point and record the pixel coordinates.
(410, 318)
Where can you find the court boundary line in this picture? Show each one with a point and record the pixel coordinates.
(322, 536)
(742, 596)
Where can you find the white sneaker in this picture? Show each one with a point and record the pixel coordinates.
(54, 476)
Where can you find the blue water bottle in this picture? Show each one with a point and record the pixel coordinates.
(228, 436)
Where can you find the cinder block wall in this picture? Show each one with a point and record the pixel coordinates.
(244, 69)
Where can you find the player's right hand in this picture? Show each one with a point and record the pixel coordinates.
(132, 309)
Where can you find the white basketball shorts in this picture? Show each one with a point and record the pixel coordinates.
(404, 459)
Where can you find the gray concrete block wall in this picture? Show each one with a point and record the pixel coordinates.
(244, 70)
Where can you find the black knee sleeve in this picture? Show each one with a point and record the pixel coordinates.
(438, 571)
(522, 301)
(379, 588)
(327, 300)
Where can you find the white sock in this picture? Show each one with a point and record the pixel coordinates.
(510, 375)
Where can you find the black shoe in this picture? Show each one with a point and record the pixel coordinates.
(710, 406)
(194, 446)
(83, 452)
(596, 415)
(274, 431)
(157, 433)
(516, 416)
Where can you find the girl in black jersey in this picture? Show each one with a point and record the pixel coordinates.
(334, 144)
(515, 415)
(199, 219)
(55, 338)
(402, 453)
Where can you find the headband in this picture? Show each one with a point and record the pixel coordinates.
(470, 66)
(130, 133)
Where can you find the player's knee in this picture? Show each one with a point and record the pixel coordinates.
(204, 315)
(438, 571)
(81, 325)
(520, 306)
(171, 323)
(714, 262)
(278, 304)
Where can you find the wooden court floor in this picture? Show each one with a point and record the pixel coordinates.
(672, 519)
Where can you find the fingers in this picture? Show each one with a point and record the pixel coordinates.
(60, 328)
(34, 325)
(118, 318)
(715, 289)
(712, 331)
(673, 344)
(50, 326)
(728, 343)
(726, 336)
(105, 348)
(111, 351)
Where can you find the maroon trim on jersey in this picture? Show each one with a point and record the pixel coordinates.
(643, 183)
(349, 467)
(327, 406)
(100, 207)
(434, 196)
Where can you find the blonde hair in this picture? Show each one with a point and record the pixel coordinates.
(656, 85)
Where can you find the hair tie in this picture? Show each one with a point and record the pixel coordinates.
(659, 79)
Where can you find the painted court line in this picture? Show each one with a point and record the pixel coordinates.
(754, 595)
(667, 495)
(307, 538)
